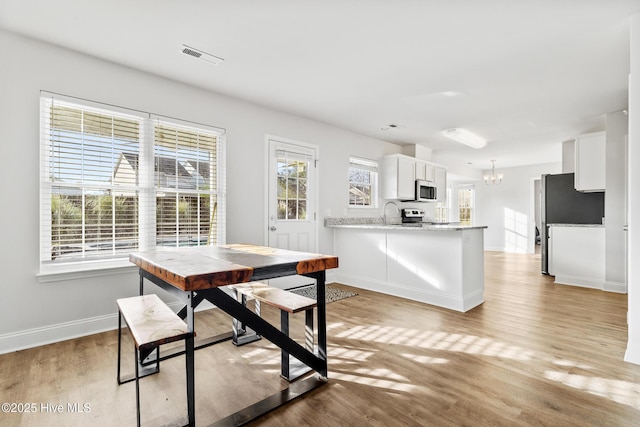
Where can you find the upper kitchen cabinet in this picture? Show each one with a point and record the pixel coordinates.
(440, 180)
(425, 171)
(590, 158)
(400, 172)
(398, 177)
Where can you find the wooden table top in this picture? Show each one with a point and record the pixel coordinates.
(204, 267)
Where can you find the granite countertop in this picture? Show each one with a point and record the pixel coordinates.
(378, 224)
(577, 225)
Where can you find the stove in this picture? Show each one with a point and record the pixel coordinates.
(412, 215)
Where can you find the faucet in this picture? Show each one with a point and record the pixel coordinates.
(384, 210)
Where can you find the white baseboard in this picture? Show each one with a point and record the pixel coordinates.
(504, 249)
(632, 355)
(35, 337)
(583, 282)
(617, 287)
(54, 333)
(331, 276)
(587, 282)
(473, 300)
(451, 302)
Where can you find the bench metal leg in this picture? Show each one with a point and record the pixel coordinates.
(308, 330)
(290, 369)
(143, 369)
(135, 353)
(242, 334)
(284, 356)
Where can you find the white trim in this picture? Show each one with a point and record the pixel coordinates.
(114, 264)
(371, 166)
(71, 271)
(316, 178)
(451, 302)
(632, 354)
(617, 287)
(531, 239)
(35, 337)
(583, 282)
(504, 249)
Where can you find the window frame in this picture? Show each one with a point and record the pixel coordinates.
(472, 202)
(371, 166)
(146, 224)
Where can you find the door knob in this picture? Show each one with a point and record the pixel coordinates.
(272, 228)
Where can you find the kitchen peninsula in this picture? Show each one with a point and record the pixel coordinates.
(438, 264)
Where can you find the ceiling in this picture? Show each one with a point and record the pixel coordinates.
(526, 75)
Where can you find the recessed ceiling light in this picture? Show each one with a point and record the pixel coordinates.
(465, 137)
(196, 53)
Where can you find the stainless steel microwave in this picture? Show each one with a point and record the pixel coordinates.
(426, 191)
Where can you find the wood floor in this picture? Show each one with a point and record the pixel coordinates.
(534, 353)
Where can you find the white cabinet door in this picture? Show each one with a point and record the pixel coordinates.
(406, 178)
(425, 171)
(577, 256)
(441, 184)
(399, 174)
(590, 150)
(398, 177)
(421, 170)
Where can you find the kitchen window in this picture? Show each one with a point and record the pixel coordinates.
(115, 180)
(363, 183)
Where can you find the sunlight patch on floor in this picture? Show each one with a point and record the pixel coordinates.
(461, 343)
(425, 360)
(379, 382)
(349, 354)
(571, 363)
(623, 392)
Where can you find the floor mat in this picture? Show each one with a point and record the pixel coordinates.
(331, 294)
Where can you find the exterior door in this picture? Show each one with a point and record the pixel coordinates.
(292, 190)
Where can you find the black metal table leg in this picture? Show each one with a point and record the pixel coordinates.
(190, 362)
(320, 277)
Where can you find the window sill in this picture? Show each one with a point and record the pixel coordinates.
(73, 271)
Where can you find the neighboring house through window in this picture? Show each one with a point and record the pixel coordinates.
(115, 181)
(363, 183)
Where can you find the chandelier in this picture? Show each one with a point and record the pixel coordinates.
(494, 178)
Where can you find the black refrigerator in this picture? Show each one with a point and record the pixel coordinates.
(562, 204)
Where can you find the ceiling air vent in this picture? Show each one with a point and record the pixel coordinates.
(201, 55)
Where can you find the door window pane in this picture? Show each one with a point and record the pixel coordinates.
(292, 188)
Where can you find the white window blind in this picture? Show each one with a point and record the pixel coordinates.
(185, 179)
(115, 180)
(363, 182)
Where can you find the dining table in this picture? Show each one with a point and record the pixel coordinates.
(196, 274)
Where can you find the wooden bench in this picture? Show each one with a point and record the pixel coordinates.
(288, 303)
(151, 323)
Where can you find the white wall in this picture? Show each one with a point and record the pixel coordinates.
(34, 312)
(633, 345)
(508, 209)
(615, 203)
(569, 156)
